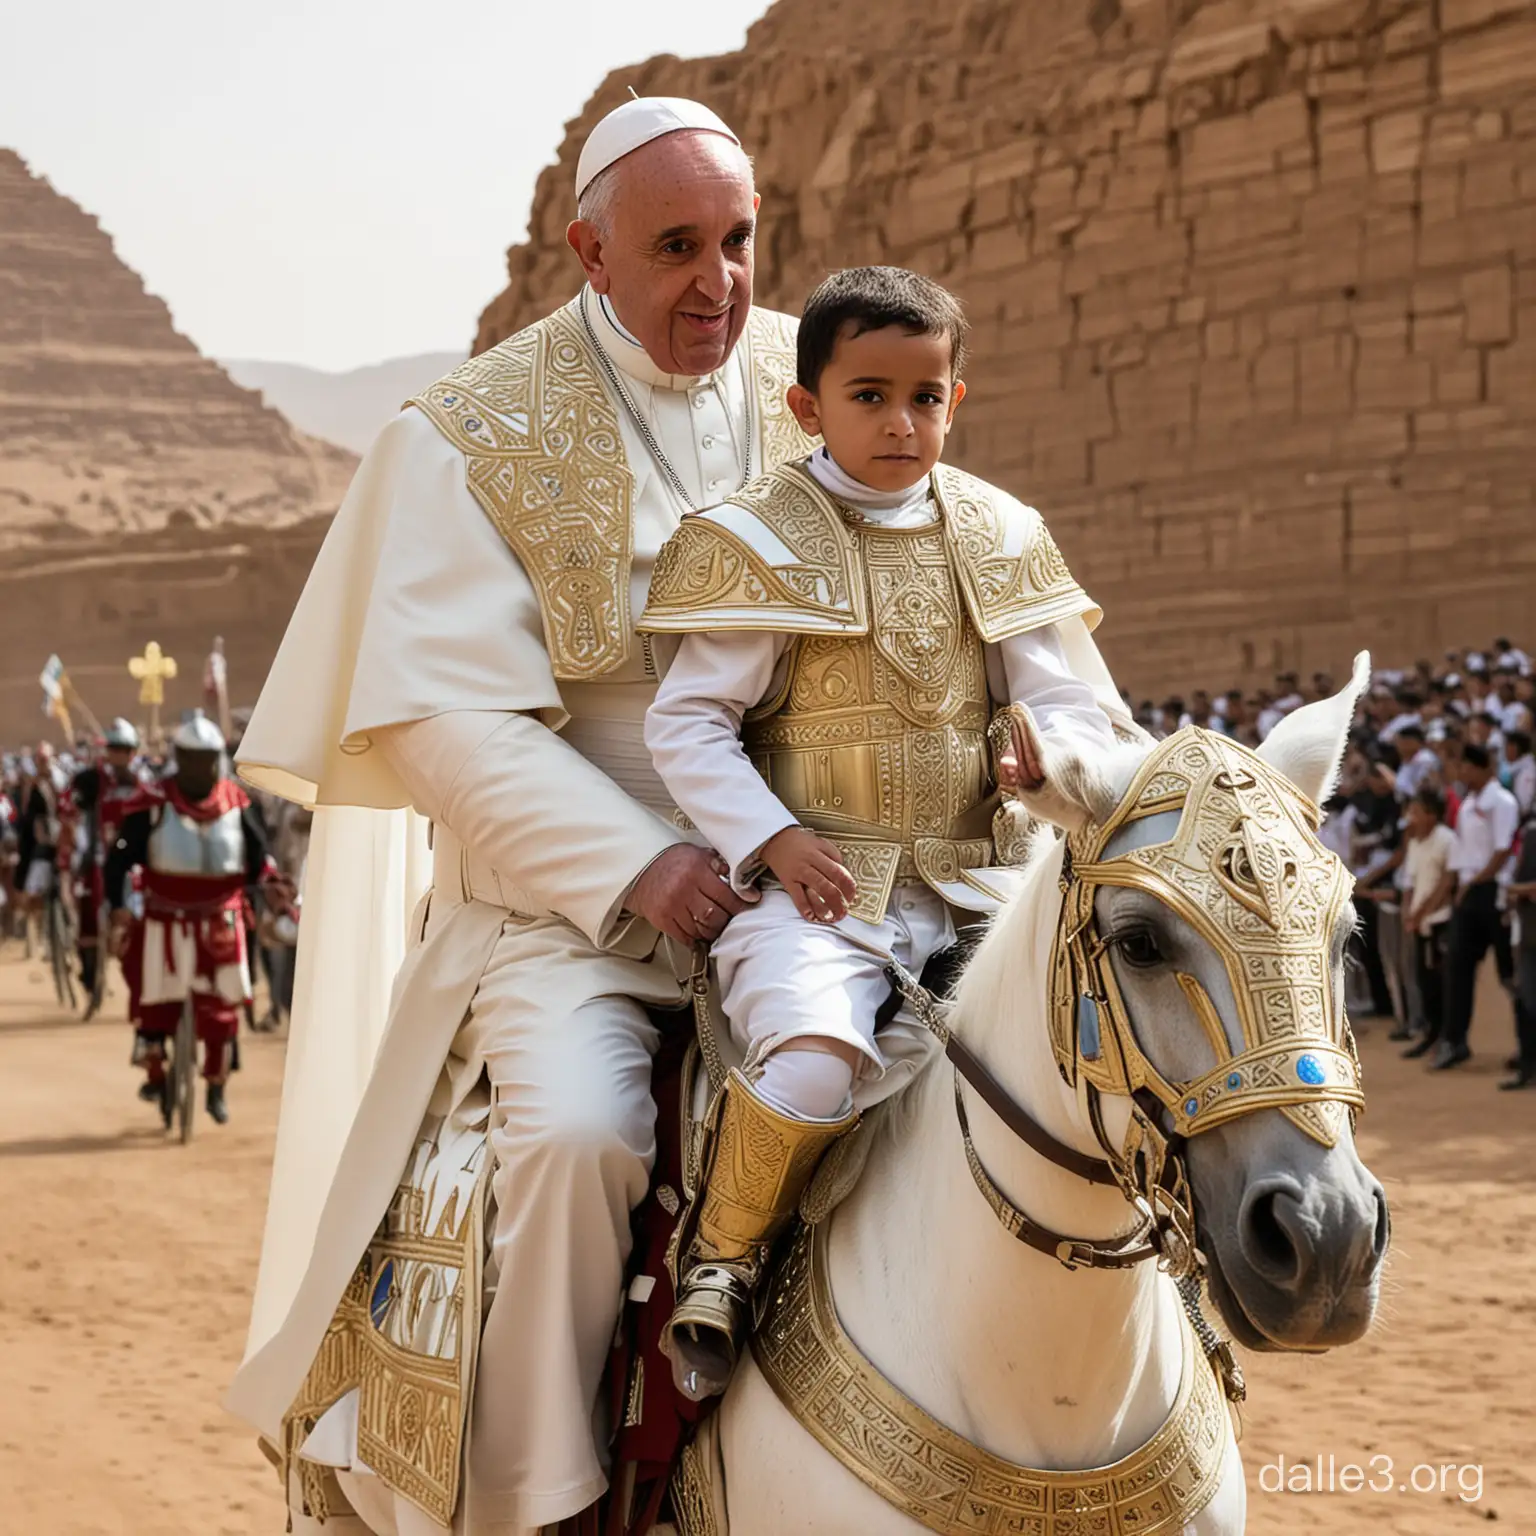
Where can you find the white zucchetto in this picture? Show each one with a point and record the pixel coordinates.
(637, 122)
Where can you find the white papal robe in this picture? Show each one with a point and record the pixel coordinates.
(415, 681)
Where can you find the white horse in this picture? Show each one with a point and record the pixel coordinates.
(1038, 1364)
(1042, 1365)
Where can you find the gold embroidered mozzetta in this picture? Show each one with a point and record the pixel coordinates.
(544, 457)
(943, 1481)
(1244, 867)
(877, 733)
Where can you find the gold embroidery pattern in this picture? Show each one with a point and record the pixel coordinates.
(1007, 593)
(941, 1480)
(771, 350)
(1245, 869)
(544, 458)
(790, 503)
(693, 1508)
(915, 613)
(704, 565)
(406, 1331)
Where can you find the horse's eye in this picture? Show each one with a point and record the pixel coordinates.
(1140, 948)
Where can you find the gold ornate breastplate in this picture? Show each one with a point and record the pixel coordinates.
(879, 739)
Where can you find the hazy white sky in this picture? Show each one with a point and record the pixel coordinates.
(328, 182)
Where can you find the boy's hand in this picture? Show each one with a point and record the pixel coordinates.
(811, 869)
(1018, 764)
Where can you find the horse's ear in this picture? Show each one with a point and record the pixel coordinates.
(1308, 745)
(1077, 789)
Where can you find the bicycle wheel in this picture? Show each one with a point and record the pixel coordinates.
(184, 1073)
(59, 945)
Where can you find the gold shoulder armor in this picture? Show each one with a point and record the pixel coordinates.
(1013, 576)
(777, 556)
(544, 458)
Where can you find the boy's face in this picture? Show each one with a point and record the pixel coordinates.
(1419, 819)
(883, 404)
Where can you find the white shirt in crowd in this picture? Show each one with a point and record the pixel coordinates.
(1522, 783)
(1337, 833)
(1424, 866)
(1486, 825)
(1413, 773)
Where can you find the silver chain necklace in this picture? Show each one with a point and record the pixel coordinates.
(643, 427)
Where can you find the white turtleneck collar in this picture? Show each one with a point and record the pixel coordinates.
(879, 506)
(626, 354)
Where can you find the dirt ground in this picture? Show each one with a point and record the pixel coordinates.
(125, 1263)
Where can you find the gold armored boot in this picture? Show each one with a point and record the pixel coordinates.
(759, 1164)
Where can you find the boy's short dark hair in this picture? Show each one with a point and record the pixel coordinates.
(1432, 801)
(1478, 756)
(869, 299)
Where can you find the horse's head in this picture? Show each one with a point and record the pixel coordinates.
(1197, 995)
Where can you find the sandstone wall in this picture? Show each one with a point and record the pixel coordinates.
(110, 421)
(1253, 285)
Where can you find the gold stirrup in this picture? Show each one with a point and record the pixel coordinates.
(759, 1164)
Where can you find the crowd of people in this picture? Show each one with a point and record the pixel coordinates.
(1435, 814)
(152, 855)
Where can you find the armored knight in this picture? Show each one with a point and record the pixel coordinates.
(825, 725)
(199, 844)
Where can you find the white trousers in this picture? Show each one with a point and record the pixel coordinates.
(784, 978)
(562, 1034)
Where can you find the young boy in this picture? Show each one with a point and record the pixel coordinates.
(849, 625)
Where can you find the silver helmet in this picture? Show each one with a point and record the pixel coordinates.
(122, 734)
(198, 733)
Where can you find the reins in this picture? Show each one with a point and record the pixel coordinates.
(1073, 1252)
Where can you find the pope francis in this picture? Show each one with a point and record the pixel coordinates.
(464, 654)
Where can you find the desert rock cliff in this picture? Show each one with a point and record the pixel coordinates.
(110, 421)
(1253, 285)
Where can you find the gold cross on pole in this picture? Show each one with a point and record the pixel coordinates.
(151, 671)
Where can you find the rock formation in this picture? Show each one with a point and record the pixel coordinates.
(137, 481)
(111, 422)
(1253, 285)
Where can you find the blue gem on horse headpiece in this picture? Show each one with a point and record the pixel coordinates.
(1088, 1028)
(1311, 1071)
(1191, 1107)
(1234, 1080)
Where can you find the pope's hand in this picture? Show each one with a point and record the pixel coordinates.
(811, 869)
(686, 893)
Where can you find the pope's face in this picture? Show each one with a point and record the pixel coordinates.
(675, 257)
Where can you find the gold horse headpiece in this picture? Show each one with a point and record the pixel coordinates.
(1245, 869)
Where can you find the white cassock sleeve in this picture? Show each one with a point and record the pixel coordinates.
(693, 730)
(544, 818)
